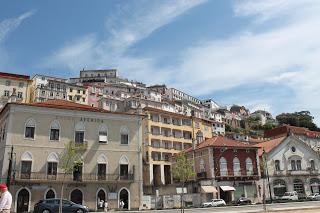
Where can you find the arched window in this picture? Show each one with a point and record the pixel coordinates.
(202, 168)
(277, 165)
(102, 167)
(249, 166)
(103, 134)
(79, 132)
(236, 167)
(312, 165)
(124, 136)
(223, 167)
(293, 165)
(52, 165)
(55, 131)
(279, 187)
(26, 165)
(124, 167)
(50, 194)
(30, 127)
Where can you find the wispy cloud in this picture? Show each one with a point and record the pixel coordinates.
(130, 24)
(7, 26)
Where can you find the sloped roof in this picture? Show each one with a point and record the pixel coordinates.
(285, 129)
(220, 141)
(268, 146)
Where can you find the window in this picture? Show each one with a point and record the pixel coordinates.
(293, 165)
(124, 136)
(124, 167)
(21, 84)
(79, 132)
(299, 165)
(102, 171)
(78, 98)
(6, 93)
(78, 91)
(70, 98)
(43, 92)
(298, 186)
(8, 83)
(83, 100)
(58, 94)
(52, 168)
(249, 166)
(279, 187)
(223, 167)
(293, 149)
(26, 169)
(58, 86)
(51, 94)
(30, 129)
(19, 94)
(55, 131)
(103, 134)
(312, 165)
(202, 167)
(236, 167)
(70, 89)
(277, 165)
(84, 92)
(51, 85)
(199, 136)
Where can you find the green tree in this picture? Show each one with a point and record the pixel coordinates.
(183, 171)
(70, 158)
(299, 119)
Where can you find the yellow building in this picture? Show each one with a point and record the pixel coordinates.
(166, 134)
(77, 94)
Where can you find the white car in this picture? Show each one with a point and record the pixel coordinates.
(314, 196)
(214, 203)
(290, 196)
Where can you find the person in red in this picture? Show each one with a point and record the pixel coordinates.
(5, 199)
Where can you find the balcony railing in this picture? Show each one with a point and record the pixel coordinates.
(236, 175)
(38, 176)
(202, 175)
(298, 172)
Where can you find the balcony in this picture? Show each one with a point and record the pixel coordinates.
(241, 175)
(202, 175)
(298, 172)
(69, 177)
(279, 173)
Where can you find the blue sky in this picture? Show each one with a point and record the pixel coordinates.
(261, 54)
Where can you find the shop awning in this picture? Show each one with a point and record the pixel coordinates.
(208, 189)
(227, 188)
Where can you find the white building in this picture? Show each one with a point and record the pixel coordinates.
(292, 166)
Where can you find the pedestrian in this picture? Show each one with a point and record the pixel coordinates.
(5, 200)
(121, 204)
(106, 206)
(101, 204)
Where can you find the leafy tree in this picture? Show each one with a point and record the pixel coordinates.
(70, 158)
(183, 171)
(299, 119)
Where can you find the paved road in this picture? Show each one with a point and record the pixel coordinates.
(284, 207)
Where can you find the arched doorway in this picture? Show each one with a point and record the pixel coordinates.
(124, 196)
(23, 201)
(50, 194)
(315, 185)
(298, 187)
(279, 187)
(101, 198)
(76, 196)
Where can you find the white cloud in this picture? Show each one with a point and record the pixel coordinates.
(129, 25)
(7, 26)
(284, 54)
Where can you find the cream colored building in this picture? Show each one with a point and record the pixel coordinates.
(112, 162)
(166, 134)
(77, 94)
(13, 86)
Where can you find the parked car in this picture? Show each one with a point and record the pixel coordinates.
(290, 196)
(52, 206)
(214, 203)
(243, 201)
(314, 196)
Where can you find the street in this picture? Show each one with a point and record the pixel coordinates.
(294, 207)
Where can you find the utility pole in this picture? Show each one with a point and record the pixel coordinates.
(10, 168)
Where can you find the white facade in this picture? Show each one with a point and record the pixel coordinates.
(293, 166)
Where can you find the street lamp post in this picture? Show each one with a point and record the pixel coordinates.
(267, 173)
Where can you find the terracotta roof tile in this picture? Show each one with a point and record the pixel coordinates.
(220, 141)
(14, 76)
(268, 146)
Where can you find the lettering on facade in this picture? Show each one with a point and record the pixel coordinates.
(95, 120)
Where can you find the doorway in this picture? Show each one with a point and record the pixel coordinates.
(23, 201)
(76, 196)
